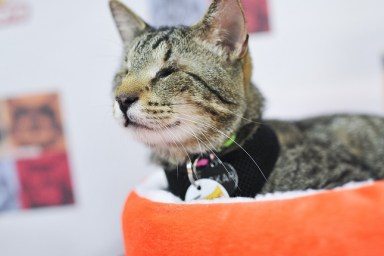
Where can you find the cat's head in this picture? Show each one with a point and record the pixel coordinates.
(183, 89)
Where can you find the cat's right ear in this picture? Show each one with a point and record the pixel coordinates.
(128, 23)
(224, 24)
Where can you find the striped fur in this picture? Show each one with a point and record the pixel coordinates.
(189, 89)
(180, 75)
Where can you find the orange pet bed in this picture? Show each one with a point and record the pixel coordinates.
(343, 221)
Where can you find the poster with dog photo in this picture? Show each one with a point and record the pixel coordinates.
(34, 164)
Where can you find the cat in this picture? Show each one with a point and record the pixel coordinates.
(187, 92)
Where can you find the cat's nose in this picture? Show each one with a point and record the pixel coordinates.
(125, 102)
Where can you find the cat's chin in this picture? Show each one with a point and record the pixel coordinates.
(167, 135)
(139, 126)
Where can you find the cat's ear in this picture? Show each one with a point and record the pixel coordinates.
(224, 24)
(128, 23)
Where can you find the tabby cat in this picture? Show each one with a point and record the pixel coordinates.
(187, 91)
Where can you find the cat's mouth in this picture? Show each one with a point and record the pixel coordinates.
(129, 123)
(137, 125)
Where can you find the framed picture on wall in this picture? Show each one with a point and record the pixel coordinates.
(34, 162)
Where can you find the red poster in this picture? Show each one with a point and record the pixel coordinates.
(45, 181)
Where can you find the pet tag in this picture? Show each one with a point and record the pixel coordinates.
(212, 168)
(205, 189)
(221, 172)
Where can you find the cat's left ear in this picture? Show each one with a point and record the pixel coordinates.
(224, 24)
(128, 23)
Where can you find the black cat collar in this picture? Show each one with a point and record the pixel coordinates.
(242, 171)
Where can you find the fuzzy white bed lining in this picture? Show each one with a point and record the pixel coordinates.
(154, 188)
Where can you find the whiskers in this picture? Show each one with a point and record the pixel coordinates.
(194, 120)
(211, 149)
(197, 129)
(226, 111)
(204, 145)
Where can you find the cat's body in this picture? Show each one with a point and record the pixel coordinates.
(328, 151)
(184, 91)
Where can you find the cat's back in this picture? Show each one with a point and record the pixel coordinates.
(355, 131)
(333, 149)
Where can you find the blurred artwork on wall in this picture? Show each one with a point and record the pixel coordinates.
(188, 12)
(13, 11)
(176, 12)
(34, 164)
(257, 15)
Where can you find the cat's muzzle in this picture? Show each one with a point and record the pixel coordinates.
(125, 102)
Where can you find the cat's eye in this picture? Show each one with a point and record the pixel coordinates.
(163, 73)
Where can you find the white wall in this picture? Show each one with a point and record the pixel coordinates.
(320, 56)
